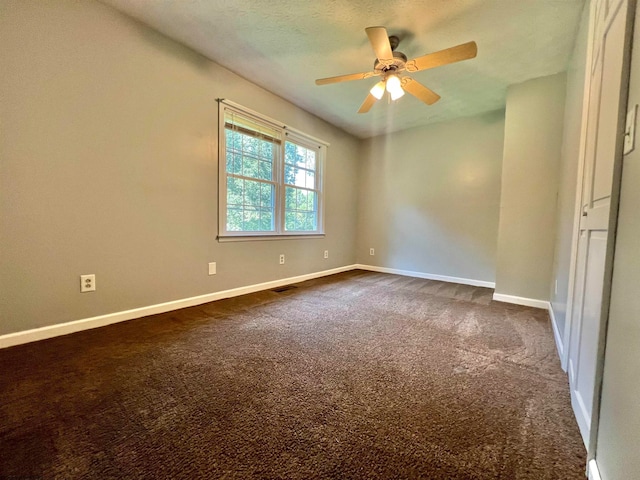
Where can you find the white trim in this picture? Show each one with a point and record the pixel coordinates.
(50, 331)
(300, 134)
(556, 336)
(594, 471)
(428, 276)
(251, 238)
(527, 302)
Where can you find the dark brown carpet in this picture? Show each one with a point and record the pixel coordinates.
(358, 375)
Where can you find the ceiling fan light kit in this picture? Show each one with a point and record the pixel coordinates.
(378, 90)
(390, 64)
(394, 87)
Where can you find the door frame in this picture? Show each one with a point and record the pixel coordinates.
(613, 214)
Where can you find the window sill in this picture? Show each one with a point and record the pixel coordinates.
(251, 238)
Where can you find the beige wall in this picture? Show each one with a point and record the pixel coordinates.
(619, 428)
(568, 173)
(429, 198)
(530, 171)
(109, 166)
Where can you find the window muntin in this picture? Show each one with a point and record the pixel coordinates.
(268, 187)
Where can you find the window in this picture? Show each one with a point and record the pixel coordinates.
(270, 177)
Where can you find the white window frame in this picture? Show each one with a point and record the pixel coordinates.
(286, 134)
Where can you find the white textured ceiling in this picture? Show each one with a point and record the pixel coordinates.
(284, 45)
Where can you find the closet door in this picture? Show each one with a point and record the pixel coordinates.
(603, 153)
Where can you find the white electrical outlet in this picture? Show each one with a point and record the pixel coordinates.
(212, 268)
(87, 283)
(326, 254)
(556, 287)
(282, 259)
(372, 251)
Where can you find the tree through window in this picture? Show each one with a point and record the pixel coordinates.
(271, 177)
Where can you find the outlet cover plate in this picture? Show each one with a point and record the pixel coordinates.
(87, 283)
(212, 268)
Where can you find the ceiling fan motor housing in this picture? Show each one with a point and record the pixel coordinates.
(394, 42)
(397, 65)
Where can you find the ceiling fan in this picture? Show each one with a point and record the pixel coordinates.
(391, 64)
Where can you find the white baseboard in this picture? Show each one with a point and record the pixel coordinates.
(594, 472)
(527, 302)
(42, 333)
(556, 336)
(428, 276)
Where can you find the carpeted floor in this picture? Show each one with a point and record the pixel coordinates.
(355, 376)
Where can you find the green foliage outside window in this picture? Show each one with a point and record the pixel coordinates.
(299, 175)
(249, 202)
(272, 186)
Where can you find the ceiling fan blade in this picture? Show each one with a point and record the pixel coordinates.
(443, 57)
(345, 78)
(380, 43)
(418, 90)
(367, 104)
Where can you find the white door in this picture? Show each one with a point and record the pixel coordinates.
(603, 153)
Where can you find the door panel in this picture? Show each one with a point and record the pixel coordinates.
(592, 126)
(576, 323)
(587, 349)
(608, 115)
(602, 142)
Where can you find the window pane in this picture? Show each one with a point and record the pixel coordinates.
(266, 150)
(289, 174)
(234, 219)
(249, 145)
(234, 191)
(249, 156)
(265, 171)
(290, 221)
(249, 205)
(299, 177)
(300, 222)
(266, 195)
(311, 159)
(231, 139)
(309, 179)
(299, 156)
(234, 163)
(290, 153)
(266, 221)
(301, 213)
(298, 199)
(249, 167)
(251, 219)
